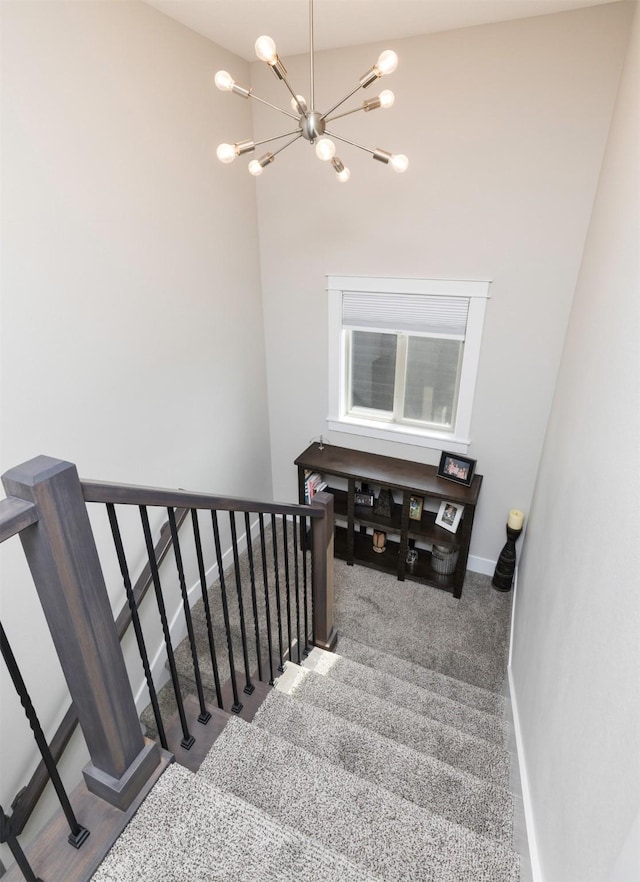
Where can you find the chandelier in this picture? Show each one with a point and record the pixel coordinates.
(310, 123)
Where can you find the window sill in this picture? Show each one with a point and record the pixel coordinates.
(399, 434)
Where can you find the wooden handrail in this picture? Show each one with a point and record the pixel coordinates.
(15, 515)
(130, 494)
(27, 798)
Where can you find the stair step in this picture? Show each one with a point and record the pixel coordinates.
(466, 639)
(188, 829)
(433, 681)
(466, 752)
(427, 782)
(389, 836)
(414, 698)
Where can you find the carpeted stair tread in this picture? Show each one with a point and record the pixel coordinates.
(416, 699)
(429, 783)
(188, 829)
(433, 681)
(389, 836)
(465, 752)
(466, 638)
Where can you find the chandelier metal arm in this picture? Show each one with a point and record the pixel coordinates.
(346, 113)
(342, 100)
(294, 96)
(273, 106)
(288, 144)
(276, 137)
(347, 141)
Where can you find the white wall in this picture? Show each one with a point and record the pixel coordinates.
(132, 333)
(576, 655)
(505, 127)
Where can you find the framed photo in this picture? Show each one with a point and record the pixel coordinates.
(456, 468)
(449, 515)
(363, 498)
(415, 507)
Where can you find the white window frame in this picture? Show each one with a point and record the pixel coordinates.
(458, 440)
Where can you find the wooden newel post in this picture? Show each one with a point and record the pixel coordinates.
(322, 588)
(63, 559)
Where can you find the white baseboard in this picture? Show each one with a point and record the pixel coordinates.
(536, 867)
(481, 565)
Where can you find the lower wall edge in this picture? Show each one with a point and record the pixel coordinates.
(534, 856)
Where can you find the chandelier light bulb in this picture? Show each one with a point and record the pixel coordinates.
(266, 49)
(226, 153)
(299, 100)
(255, 168)
(325, 149)
(399, 163)
(386, 98)
(387, 62)
(344, 175)
(224, 81)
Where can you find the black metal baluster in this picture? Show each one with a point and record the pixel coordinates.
(204, 715)
(313, 573)
(276, 569)
(265, 578)
(305, 586)
(135, 620)
(78, 834)
(296, 580)
(187, 738)
(287, 581)
(237, 706)
(254, 599)
(7, 835)
(207, 607)
(248, 687)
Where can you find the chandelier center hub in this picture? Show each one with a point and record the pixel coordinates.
(313, 126)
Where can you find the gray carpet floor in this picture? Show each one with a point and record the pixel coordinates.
(388, 763)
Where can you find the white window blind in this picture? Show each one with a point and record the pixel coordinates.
(437, 316)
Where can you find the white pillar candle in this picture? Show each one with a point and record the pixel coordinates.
(515, 519)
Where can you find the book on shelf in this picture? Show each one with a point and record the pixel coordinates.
(313, 483)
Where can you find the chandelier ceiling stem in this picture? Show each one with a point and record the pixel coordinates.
(312, 87)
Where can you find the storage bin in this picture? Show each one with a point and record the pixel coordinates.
(444, 559)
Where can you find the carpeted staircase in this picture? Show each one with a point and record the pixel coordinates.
(367, 767)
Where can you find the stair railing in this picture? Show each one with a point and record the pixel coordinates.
(47, 509)
(25, 802)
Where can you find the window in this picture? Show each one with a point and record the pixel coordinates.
(403, 358)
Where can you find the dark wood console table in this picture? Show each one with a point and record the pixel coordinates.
(345, 471)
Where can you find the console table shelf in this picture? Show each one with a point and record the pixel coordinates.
(341, 467)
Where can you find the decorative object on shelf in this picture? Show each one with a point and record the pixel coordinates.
(379, 541)
(456, 468)
(415, 508)
(444, 559)
(449, 515)
(382, 505)
(412, 556)
(363, 498)
(505, 568)
(311, 124)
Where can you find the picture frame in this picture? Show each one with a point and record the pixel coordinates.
(415, 507)
(363, 498)
(456, 468)
(449, 515)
